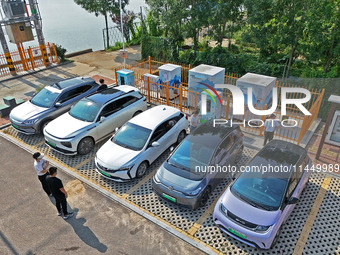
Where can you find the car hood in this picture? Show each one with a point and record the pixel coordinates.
(248, 212)
(179, 183)
(66, 126)
(25, 111)
(113, 156)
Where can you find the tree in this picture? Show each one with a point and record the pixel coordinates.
(128, 19)
(322, 34)
(196, 16)
(225, 17)
(168, 16)
(102, 7)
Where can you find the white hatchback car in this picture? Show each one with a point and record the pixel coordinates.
(93, 119)
(139, 142)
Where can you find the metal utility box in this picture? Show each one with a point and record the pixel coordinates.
(213, 106)
(172, 74)
(14, 8)
(200, 77)
(19, 32)
(153, 79)
(126, 77)
(262, 89)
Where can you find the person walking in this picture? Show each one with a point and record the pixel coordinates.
(59, 193)
(194, 121)
(102, 85)
(269, 128)
(41, 167)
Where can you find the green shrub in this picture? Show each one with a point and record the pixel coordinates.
(118, 46)
(61, 51)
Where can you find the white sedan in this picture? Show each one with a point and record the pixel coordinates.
(92, 119)
(139, 142)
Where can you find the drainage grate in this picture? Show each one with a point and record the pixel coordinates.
(178, 216)
(210, 234)
(324, 236)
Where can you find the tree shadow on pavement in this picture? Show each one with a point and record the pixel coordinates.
(85, 233)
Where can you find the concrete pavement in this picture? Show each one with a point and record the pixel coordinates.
(29, 223)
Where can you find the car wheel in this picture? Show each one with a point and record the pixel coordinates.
(276, 238)
(85, 146)
(205, 197)
(141, 170)
(43, 125)
(136, 113)
(181, 136)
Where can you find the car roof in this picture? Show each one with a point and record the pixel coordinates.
(280, 153)
(108, 94)
(71, 82)
(151, 118)
(209, 135)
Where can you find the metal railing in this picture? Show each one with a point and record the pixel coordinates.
(186, 100)
(27, 59)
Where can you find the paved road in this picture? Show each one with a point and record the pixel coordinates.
(29, 223)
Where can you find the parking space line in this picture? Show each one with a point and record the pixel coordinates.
(124, 201)
(174, 227)
(84, 162)
(62, 164)
(300, 245)
(192, 231)
(140, 183)
(38, 144)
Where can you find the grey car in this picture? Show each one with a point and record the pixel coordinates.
(184, 177)
(53, 100)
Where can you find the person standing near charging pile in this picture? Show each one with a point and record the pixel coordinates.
(269, 128)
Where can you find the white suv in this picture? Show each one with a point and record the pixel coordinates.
(93, 119)
(139, 142)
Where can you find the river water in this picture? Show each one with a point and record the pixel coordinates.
(69, 25)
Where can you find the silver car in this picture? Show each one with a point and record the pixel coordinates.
(93, 118)
(53, 100)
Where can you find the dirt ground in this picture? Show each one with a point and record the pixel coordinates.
(105, 62)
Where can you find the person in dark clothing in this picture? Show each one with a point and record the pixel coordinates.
(102, 85)
(59, 193)
(41, 167)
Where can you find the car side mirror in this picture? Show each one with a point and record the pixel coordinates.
(116, 129)
(293, 201)
(102, 118)
(172, 148)
(155, 144)
(58, 105)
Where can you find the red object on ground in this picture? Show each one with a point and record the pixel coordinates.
(108, 81)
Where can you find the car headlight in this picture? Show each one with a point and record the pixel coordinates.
(260, 228)
(223, 209)
(30, 121)
(125, 168)
(67, 144)
(156, 179)
(194, 192)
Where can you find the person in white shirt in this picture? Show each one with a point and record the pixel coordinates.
(194, 121)
(269, 128)
(41, 167)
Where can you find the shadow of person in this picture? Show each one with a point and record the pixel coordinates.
(85, 233)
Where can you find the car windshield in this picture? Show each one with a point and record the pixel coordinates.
(132, 136)
(85, 110)
(261, 190)
(191, 156)
(45, 98)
